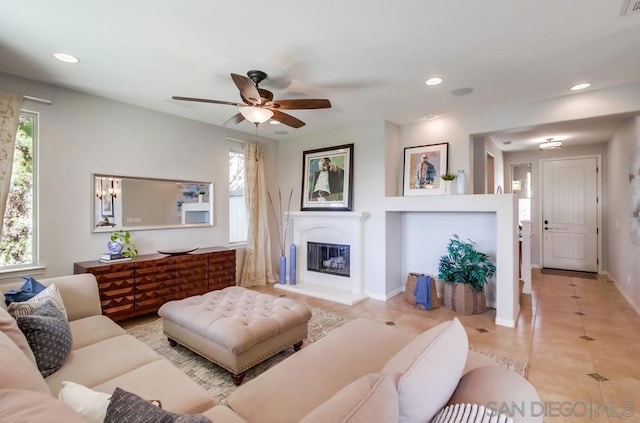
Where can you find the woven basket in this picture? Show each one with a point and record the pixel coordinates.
(412, 279)
(463, 299)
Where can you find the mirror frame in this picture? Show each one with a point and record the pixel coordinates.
(97, 212)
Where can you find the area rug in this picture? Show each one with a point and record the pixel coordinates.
(217, 381)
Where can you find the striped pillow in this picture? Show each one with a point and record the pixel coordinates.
(469, 413)
(26, 308)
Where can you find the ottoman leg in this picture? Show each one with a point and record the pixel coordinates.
(297, 346)
(172, 343)
(237, 379)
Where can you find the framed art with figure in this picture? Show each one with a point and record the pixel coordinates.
(423, 166)
(327, 179)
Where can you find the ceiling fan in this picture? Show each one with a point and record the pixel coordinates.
(259, 105)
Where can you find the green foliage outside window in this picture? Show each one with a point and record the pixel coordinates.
(16, 245)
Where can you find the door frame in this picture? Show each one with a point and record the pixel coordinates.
(598, 158)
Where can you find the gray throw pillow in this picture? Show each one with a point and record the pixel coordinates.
(130, 408)
(49, 336)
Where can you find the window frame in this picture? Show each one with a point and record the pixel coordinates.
(34, 267)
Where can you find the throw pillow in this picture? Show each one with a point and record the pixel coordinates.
(125, 406)
(28, 290)
(427, 370)
(28, 307)
(34, 407)
(9, 327)
(90, 404)
(49, 337)
(469, 413)
(370, 399)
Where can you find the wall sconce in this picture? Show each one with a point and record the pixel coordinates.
(99, 192)
(113, 192)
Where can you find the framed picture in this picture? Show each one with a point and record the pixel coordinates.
(423, 167)
(327, 179)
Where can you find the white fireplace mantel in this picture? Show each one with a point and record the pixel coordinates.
(336, 228)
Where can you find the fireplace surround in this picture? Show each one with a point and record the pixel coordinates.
(335, 230)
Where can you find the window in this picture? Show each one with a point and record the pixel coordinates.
(237, 206)
(18, 244)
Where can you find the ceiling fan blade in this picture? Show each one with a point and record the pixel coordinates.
(205, 100)
(247, 88)
(303, 103)
(237, 118)
(286, 119)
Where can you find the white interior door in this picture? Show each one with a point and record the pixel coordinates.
(570, 214)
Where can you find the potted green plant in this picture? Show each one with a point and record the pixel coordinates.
(124, 237)
(465, 272)
(448, 179)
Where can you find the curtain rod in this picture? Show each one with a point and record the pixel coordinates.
(37, 100)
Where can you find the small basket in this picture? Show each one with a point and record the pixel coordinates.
(412, 280)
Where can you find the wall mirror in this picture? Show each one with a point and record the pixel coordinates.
(134, 203)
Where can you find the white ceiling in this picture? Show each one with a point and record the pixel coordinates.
(370, 58)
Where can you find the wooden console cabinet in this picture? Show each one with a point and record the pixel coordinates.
(141, 285)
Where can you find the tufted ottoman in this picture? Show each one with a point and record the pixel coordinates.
(234, 327)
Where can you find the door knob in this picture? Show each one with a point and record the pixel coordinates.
(546, 229)
(546, 222)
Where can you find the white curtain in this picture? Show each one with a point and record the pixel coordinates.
(10, 105)
(257, 268)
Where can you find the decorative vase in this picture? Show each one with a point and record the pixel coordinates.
(115, 247)
(461, 182)
(283, 270)
(449, 187)
(292, 264)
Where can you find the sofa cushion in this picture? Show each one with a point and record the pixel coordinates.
(161, 380)
(469, 413)
(34, 407)
(370, 399)
(427, 370)
(89, 330)
(104, 360)
(90, 404)
(16, 370)
(29, 307)
(128, 407)
(9, 326)
(335, 361)
(222, 413)
(49, 336)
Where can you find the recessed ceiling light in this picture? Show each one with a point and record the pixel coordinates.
(582, 86)
(64, 57)
(274, 122)
(431, 116)
(433, 81)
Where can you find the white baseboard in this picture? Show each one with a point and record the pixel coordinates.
(386, 297)
(633, 305)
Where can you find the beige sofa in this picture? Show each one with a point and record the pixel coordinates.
(322, 378)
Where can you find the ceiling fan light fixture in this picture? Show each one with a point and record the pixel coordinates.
(550, 144)
(255, 114)
(274, 122)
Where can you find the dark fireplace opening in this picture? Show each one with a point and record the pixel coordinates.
(328, 258)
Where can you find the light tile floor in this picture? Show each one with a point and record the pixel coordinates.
(573, 332)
